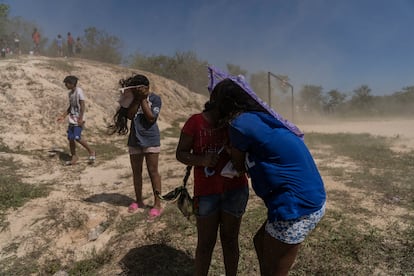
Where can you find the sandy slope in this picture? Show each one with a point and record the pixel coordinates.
(32, 94)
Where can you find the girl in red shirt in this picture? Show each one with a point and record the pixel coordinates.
(220, 200)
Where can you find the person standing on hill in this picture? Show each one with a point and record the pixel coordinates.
(70, 43)
(3, 47)
(76, 118)
(78, 46)
(59, 45)
(16, 40)
(142, 107)
(36, 41)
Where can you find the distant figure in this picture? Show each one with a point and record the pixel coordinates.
(70, 42)
(78, 46)
(16, 41)
(76, 112)
(3, 47)
(36, 41)
(59, 45)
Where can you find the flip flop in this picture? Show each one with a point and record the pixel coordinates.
(134, 207)
(71, 162)
(154, 213)
(92, 158)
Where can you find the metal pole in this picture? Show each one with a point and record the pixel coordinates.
(285, 82)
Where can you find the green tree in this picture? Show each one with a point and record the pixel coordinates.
(4, 13)
(311, 98)
(362, 99)
(236, 70)
(333, 101)
(101, 46)
(184, 67)
(258, 82)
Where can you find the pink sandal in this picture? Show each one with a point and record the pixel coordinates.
(154, 213)
(134, 207)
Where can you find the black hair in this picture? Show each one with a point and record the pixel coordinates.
(134, 80)
(120, 119)
(71, 79)
(232, 100)
(209, 105)
(120, 122)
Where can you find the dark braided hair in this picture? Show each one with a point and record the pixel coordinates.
(231, 100)
(120, 119)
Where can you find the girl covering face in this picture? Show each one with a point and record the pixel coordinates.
(141, 107)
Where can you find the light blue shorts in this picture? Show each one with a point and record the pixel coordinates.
(294, 231)
(233, 202)
(74, 132)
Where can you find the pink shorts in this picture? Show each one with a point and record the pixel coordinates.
(141, 150)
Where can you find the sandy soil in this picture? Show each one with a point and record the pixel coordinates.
(31, 96)
(401, 130)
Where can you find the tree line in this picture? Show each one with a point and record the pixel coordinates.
(190, 71)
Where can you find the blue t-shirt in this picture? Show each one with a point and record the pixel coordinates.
(281, 168)
(144, 133)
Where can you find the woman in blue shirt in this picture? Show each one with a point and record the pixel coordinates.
(282, 171)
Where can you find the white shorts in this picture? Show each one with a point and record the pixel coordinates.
(294, 231)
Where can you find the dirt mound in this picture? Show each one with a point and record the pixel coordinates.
(32, 94)
(83, 200)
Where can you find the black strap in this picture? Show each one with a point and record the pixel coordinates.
(174, 194)
(187, 175)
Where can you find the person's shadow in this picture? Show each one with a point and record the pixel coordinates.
(157, 260)
(111, 198)
(62, 155)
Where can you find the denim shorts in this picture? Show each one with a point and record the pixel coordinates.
(294, 231)
(233, 202)
(74, 132)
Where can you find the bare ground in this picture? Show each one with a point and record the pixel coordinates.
(84, 197)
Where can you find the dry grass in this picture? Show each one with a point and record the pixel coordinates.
(343, 243)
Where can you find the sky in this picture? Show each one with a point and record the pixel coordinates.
(337, 44)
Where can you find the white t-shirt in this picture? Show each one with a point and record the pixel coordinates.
(74, 100)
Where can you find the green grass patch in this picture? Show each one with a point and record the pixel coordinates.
(62, 65)
(342, 245)
(175, 129)
(90, 265)
(378, 167)
(13, 191)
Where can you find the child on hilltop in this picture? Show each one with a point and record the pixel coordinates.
(142, 107)
(59, 45)
(36, 41)
(70, 42)
(76, 112)
(78, 46)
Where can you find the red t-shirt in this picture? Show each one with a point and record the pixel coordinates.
(36, 37)
(206, 138)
